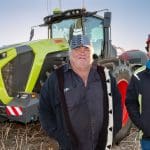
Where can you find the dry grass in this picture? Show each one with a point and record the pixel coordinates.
(131, 142)
(16, 136)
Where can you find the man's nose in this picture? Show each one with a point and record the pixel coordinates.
(82, 50)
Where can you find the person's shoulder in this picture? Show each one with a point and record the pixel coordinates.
(137, 73)
(140, 70)
(106, 71)
(99, 66)
(51, 79)
(53, 75)
(59, 71)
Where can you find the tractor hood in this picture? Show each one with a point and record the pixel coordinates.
(22, 64)
(50, 45)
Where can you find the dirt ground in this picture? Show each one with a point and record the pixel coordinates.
(131, 142)
(15, 136)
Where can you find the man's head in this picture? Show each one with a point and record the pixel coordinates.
(81, 51)
(148, 46)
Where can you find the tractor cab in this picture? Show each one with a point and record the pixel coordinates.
(77, 21)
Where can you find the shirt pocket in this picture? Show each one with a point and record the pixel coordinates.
(75, 97)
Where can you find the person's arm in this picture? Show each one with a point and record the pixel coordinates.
(117, 106)
(49, 112)
(46, 112)
(132, 103)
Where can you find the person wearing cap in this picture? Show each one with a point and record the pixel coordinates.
(80, 105)
(138, 100)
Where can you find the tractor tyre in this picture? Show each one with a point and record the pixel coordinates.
(123, 73)
(125, 130)
(3, 117)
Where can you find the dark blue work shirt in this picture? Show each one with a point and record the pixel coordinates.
(85, 106)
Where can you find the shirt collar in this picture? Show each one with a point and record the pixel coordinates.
(68, 67)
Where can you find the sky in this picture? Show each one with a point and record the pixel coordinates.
(130, 23)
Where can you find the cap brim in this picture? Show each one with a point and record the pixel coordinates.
(88, 46)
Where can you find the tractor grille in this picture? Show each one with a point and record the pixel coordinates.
(49, 64)
(15, 73)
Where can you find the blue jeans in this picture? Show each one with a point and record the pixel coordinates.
(145, 144)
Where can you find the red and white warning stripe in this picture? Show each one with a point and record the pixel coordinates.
(14, 110)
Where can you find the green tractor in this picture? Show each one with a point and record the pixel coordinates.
(24, 67)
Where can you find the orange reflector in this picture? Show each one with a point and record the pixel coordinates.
(58, 40)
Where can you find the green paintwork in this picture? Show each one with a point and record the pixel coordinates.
(11, 54)
(40, 49)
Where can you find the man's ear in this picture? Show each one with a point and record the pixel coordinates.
(146, 48)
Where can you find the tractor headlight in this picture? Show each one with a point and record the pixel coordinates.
(3, 55)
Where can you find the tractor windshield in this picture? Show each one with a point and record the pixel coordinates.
(91, 26)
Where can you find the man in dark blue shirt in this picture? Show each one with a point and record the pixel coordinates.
(81, 114)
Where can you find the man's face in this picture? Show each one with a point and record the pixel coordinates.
(81, 57)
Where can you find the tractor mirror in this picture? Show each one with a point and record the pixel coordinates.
(31, 34)
(107, 19)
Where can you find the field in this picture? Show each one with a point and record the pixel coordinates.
(15, 136)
